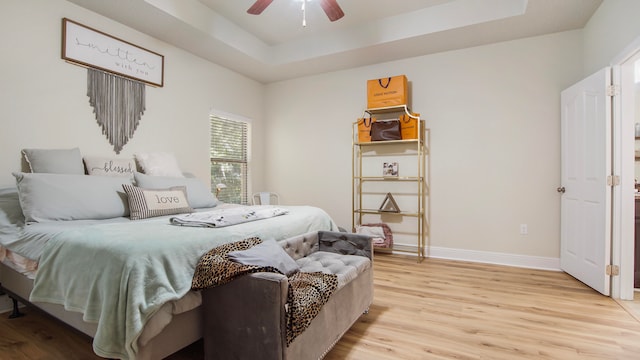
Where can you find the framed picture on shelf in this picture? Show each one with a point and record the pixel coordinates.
(390, 169)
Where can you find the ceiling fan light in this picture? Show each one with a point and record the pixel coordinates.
(330, 7)
(304, 13)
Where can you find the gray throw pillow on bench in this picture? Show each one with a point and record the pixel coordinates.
(345, 243)
(267, 253)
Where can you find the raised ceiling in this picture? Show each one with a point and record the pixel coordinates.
(275, 46)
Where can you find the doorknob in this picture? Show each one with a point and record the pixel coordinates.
(561, 190)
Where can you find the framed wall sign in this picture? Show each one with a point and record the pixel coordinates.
(85, 46)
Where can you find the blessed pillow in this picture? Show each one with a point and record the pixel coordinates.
(109, 166)
(53, 197)
(146, 203)
(54, 161)
(267, 253)
(197, 192)
(159, 164)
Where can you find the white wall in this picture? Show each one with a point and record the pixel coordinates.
(43, 102)
(611, 28)
(493, 111)
(494, 117)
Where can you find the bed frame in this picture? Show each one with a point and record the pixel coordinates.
(183, 330)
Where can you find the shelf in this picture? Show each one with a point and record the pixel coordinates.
(391, 109)
(378, 212)
(386, 142)
(389, 178)
(373, 154)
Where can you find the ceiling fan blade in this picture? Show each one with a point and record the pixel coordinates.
(258, 7)
(332, 9)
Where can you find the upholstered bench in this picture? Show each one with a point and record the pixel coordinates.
(246, 318)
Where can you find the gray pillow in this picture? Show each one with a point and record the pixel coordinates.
(344, 243)
(197, 192)
(53, 197)
(54, 161)
(10, 210)
(267, 253)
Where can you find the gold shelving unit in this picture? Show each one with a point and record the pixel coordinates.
(360, 176)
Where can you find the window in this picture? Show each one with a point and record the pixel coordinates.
(229, 159)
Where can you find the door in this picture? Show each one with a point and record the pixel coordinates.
(585, 239)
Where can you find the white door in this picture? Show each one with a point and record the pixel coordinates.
(585, 239)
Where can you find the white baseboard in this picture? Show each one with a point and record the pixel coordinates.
(524, 261)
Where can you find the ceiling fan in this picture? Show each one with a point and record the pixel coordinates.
(330, 7)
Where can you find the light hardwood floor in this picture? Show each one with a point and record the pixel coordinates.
(437, 309)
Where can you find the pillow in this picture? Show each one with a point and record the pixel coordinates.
(197, 192)
(54, 161)
(10, 210)
(159, 164)
(373, 231)
(267, 253)
(53, 197)
(146, 203)
(109, 166)
(344, 243)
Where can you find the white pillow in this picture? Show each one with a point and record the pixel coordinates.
(110, 166)
(373, 231)
(53, 197)
(159, 164)
(54, 161)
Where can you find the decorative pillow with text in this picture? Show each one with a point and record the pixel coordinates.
(146, 203)
(198, 193)
(110, 166)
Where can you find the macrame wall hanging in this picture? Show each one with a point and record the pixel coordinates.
(117, 73)
(118, 104)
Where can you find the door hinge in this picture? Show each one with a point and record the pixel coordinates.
(613, 90)
(613, 180)
(613, 270)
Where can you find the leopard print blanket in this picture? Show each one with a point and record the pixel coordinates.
(308, 292)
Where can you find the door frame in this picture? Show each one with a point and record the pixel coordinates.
(623, 162)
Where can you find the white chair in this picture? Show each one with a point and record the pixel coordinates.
(265, 198)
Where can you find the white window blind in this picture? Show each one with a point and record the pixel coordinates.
(229, 159)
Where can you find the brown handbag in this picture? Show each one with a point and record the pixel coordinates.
(385, 130)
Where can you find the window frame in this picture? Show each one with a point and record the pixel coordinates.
(230, 193)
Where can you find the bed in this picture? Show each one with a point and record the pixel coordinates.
(124, 282)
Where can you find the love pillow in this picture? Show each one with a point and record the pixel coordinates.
(146, 203)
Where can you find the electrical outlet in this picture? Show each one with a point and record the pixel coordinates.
(524, 230)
